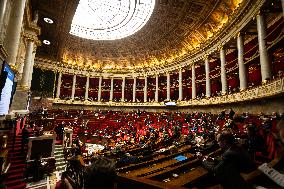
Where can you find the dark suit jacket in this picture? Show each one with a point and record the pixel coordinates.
(234, 161)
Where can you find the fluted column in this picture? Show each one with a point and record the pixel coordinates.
(111, 89)
(193, 84)
(157, 89)
(223, 71)
(14, 30)
(180, 84)
(265, 63)
(123, 89)
(145, 89)
(3, 5)
(27, 64)
(100, 88)
(207, 71)
(59, 81)
(73, 87)
(168, 86)
(87, 88)
(242, 67)
(134, 90)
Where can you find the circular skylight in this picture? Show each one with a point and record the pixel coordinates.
(110, 19)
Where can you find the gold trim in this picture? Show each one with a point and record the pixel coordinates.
(268, 90)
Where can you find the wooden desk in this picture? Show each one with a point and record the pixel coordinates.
(153, 167)
(189, 177)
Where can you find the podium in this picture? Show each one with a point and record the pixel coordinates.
(67, 137)
(41, 146)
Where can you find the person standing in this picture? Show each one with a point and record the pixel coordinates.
(25, 138)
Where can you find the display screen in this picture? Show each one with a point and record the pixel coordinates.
(170, 103)
(6, 88)
(180, 158)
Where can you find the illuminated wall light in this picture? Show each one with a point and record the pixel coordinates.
(46, 42)
(48, 20)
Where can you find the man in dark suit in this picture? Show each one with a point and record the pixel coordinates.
(234, 160)
(25, 137)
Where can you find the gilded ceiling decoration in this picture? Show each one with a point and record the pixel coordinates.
(174, 30)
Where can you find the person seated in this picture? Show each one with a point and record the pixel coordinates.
(100, 174)
(210, 143)
(234, 161)
(276, 173)
(254, 142)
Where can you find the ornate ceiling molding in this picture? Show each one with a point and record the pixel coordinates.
(245, 14)
(176, 30)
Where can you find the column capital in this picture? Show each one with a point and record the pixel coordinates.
(205, 57)
(31, 35)
(240, 33)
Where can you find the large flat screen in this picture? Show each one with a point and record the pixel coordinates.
(6, 88)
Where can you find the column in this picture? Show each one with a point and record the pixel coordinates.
(223, 71)
(14, 30)
(123, 89)
(73, 87)
(263, 54)
(32, 67)
(111, 89)
(180, 84)
(157, 89)
(134, 90)
(100, 89)
(27, 64)
(242, 67)
(168, 86)
(87, 88)
(3, 4)
(207, 71)
(282, 2)
(193, 84)
(145, 89)
(58, 85)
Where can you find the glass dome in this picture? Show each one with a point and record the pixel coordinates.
(110, 19)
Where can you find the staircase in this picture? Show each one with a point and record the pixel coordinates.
(59, 157)
(15, 174)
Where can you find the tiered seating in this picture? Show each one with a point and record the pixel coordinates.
(159, 166)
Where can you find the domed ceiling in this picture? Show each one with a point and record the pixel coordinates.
(174, 30)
